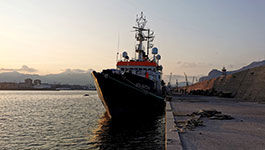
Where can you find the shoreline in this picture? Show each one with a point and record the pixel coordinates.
(41, 90)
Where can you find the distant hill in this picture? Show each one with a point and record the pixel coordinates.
(217, 73)
(70, 76)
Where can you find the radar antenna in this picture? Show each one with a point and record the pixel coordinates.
(141, 21)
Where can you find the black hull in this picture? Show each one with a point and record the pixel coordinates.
(122, 99)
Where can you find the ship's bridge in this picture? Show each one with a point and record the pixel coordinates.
(137, 65)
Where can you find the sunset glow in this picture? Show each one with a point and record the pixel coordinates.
(193, 37)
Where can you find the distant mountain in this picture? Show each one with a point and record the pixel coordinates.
(70, 76)
(212, 74)
(216, 73)
(252, 65)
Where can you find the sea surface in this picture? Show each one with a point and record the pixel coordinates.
(70, 120)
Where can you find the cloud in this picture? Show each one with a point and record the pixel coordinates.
(189, 64)
(77, 71)
(183, 64)
(186, 64)
(6, 70)
(24, 68)
(179, 62)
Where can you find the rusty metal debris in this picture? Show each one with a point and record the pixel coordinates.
(193, 120)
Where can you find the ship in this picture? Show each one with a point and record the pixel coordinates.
(135, 87)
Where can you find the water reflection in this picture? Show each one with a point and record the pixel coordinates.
(130, 133)
(48, 119)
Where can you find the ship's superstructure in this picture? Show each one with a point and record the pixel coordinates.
(135, 86)
(143, 65)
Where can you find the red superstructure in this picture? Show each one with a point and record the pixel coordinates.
(137, 63)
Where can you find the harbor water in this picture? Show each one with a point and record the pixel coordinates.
(70, 120)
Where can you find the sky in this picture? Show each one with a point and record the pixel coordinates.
(50, 36)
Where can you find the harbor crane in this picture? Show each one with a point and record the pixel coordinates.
(169, 82)
(193, 80)
(186, 78)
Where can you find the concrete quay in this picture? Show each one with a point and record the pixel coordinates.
(245, 131)
(172, 136)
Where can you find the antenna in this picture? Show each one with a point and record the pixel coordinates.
(148, 34)
(141, 37)
(118, 41)
(118, 47)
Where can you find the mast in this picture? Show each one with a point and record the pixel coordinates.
(140, 36)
